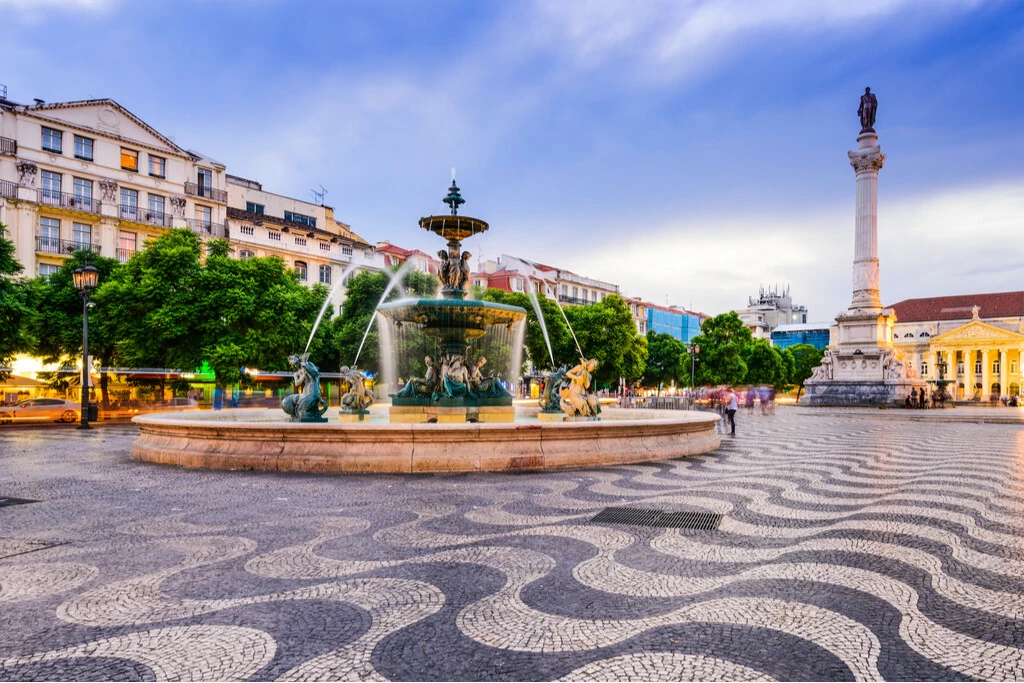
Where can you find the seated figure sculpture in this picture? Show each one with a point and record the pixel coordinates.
(577, 401)
(455, 378)
(421, 386)
(485, 387)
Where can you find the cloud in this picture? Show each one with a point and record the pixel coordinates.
(36, 11)
(667, 39)
(955, 241)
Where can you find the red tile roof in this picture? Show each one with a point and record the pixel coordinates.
(997, 305)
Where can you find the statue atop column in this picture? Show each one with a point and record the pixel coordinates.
(867, 110)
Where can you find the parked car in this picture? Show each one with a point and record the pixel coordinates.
(44, 409)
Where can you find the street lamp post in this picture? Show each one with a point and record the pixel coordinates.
(85, 277)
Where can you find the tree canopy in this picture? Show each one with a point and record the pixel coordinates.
(805, 359)
(665, 360)
(722, 340)
(15, 308)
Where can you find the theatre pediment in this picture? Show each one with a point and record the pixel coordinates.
(977, 331)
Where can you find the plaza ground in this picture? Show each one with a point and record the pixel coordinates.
(851, 546)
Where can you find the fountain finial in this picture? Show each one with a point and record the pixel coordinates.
(454, 200)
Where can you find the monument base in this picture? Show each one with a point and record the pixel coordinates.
(892, 394)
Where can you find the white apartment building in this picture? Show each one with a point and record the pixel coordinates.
(90, 174)
(306, 236)
(565, 285)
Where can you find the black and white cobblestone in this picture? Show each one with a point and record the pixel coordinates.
(850, 549)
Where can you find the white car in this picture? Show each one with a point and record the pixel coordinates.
(45, 409)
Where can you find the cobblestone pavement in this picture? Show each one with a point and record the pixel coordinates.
(850, 548)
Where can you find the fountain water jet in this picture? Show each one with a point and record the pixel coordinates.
(327, 302)
(532, 291)
(394, 277)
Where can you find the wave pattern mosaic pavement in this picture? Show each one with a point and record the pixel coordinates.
(849, 549)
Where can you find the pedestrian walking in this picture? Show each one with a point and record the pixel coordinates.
(748, 400)
(731, 406)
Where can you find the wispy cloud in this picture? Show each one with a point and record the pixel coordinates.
(666, 39)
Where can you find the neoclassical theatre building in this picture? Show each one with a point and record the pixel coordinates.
(980, 336)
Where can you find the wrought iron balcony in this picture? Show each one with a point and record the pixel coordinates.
(8, 146)
(124, 254)
(53, 245)
(160, 218)
(207, 228)
(131, 212)
(66, 200)
(197, 190)
(574, 300)
(8, 189)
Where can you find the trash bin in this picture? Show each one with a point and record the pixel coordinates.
(93, 412)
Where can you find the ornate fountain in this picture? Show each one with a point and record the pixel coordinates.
(444, 345)
(454, 387)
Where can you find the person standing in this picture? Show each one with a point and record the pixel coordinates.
(731, 406)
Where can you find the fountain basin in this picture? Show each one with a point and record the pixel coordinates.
(266, 440)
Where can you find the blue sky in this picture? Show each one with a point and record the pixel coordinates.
(688, 151)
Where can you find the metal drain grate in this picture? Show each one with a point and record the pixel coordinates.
(702, 521)
(4, 502)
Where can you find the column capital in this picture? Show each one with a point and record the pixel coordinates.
(867, 160)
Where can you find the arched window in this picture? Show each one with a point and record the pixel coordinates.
(245, 253)
(300, 268)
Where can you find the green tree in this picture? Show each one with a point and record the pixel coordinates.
(57, 324)
(805, 359)
(722, 340)
(665, 355)
(257, 313)
(786, 383)
(765, 365)
(606, 331)
(154, 305)
(15, 307)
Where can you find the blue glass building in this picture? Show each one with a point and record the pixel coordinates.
(815, 334)
(681, 324)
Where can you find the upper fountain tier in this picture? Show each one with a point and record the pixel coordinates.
(454, 227)
(455, 267)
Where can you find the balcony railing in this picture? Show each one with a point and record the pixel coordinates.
(124, 254)
(8, 146)
(8, 189)
(207, 228)
(160, 218)
(131, 212)
(53, 245)
(197, 190)
(69, 201)
(574, 300)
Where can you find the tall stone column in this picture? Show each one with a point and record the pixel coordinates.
(968, 375)
(1003, 360)
(986, 368)
(866, 162)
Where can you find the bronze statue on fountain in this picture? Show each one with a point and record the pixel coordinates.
(454, 380)
(306, 405)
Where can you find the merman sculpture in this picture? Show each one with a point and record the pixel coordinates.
(576, 399)
(551, 399)
(306, 405)
(358, 398)
(483, 386)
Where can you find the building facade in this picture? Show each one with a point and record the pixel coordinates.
(769, 309)
(306, 236)
(815, 334)
(979, 336)
(91, 175)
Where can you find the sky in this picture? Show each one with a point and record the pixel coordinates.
(689, 151)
